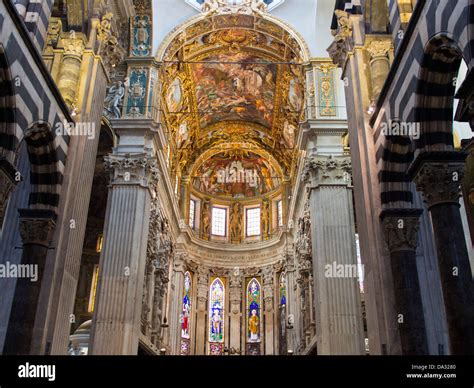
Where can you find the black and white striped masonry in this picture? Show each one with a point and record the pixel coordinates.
(420, 90)
(31, 106)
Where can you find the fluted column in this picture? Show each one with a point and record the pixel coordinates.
(438, 176)
(176, 296)
(201, 313)
(36, 230)
(401, 232)
(116, 321)
(339, 327)
(268, 276)
(235, 312)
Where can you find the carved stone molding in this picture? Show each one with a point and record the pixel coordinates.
(438, 176)
(132, 169)
(37, 226)
(401, 228)
(327, 170)
(268, 275)
(202, 286)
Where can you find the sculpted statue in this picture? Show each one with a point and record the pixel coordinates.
(113, 99)
(235, 224)
(211, 6)
(206, 221)
(257, 6)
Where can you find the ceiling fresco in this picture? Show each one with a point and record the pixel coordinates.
(237, 174)
(235, 87)
(232, 79)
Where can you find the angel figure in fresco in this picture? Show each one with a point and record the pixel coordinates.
(254, 324)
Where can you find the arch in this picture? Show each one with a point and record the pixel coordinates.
(435, 94)
(431, 117)
(45, 174)
(200, 22)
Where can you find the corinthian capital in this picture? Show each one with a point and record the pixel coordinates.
(401, 228)
(438, 176)
(378, 49)
(327, 170)
(73, 44)
(138, 169)
(37, 226)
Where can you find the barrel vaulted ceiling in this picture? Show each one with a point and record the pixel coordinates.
(232, 84)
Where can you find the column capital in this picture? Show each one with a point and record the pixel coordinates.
(327, 170)
(438, 176)
(401, 228)
(132, 169)
(37, 226)
(379, 49)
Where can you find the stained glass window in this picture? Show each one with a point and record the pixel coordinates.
(253, 221)
(219, 221)
(186, 307)
(253, 310)
(282, 289)
(216, 314)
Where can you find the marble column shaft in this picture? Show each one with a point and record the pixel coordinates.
(401, 231)
(339, 328)
(235, 313)
(116, 321)
(36, 230)
(438, 176)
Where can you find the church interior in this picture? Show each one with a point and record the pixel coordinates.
(236, 177)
